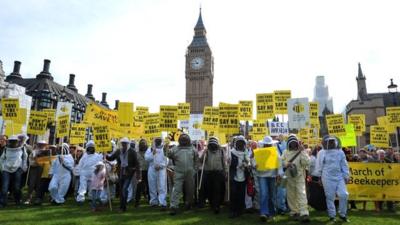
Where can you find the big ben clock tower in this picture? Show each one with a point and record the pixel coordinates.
(199, 70)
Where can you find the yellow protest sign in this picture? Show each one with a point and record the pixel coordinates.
(140, 113)
(265, 106)
(125, 115)
(210, 118)
(374, 181)
(384, 121)
(62, 126)
(102, 139)
(349, 140)
(183, 111)
(168, 117)
(221, 137)
(314, 114)
(51, 115)
(266, 158)
(228, 118)
(280, 99)
(37, 123)
(335, 124)
(358, 120)
(22, 114)
(78, 134)
(245, 110)
(97, 115)
(12, 128)
(259, 130)
(304, 135)
(393, 114)
(10, 109)
(379, 137)
(152, 126)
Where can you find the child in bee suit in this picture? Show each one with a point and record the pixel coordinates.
(157, 173)
(296, 161)
(61, 174)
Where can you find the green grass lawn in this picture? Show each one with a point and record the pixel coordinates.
(70, 213)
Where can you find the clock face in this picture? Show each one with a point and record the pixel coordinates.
(197, 63)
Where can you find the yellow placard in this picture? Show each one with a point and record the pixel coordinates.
(393, 114)
(12, 128)
(37, 123)
(374, 181)
(10, 109)
(168, 117)
(335, 124)
(140, 113)
(125, 115)
(51, 115)
(358, 120)
(102, 139)
(96, 115)
(245, 110)
(78, 133)
(183, 111)
(22, 114)
(384, 121)
(280, 99)
(265, 106)
(349, 140)
(152, 126)
(314, 114)
(228, 118)
(266, 158)
(62, 126)
(379, 137)
(259, 130)
(210, 118)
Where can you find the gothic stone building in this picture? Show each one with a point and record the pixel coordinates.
(373, 105)
(199, 70)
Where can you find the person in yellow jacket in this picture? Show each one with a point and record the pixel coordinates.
(296, 161)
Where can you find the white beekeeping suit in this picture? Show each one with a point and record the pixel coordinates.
(157, 173)
(61, 170)
(332, 167)
(85, 170)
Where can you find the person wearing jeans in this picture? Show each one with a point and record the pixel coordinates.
(129, 166)
(267, 184)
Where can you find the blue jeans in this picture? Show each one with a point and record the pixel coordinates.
(267, 195)
(124, 183)
(6, 177)
(281, 198)
(95, 198)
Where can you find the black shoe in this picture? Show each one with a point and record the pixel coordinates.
(136, 204)
(249, 211)
(332, 219)
(188, 207)
(216, 211)
(295, 217)
(305, 219)
(263, 218)
(232, 215)
(173, 212)
(163, 208)
(344, 219)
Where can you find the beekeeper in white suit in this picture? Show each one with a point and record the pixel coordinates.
(60, 171)
(157, 173)
(85, 169)
(332, 168)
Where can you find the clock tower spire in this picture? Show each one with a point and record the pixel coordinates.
(199, 72)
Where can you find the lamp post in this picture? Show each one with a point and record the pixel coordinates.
(392, 88)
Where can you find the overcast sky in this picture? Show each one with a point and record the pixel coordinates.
(134, 50)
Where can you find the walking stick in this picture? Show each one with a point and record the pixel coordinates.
(27, 175)
(229, 183)
(108, 186)
(202, 170)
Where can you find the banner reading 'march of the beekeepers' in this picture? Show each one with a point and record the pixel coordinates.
(374, 181)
